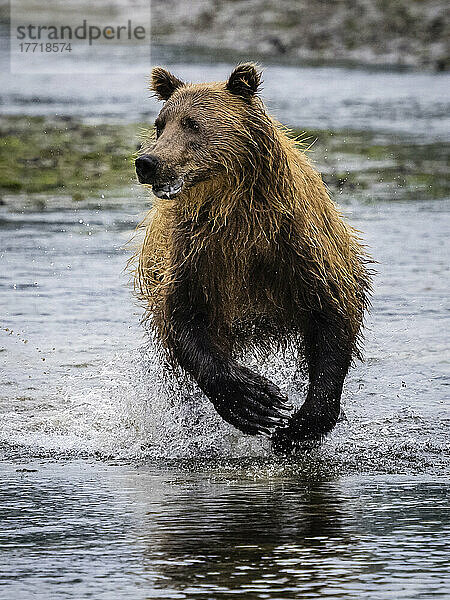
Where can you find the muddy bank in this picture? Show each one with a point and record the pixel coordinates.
(64, 156)
(401, 32)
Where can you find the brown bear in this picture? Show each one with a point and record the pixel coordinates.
(244, 249)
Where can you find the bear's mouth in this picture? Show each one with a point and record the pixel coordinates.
(169, 190)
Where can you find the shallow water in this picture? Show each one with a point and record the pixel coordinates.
(178, 504)
(411, 103)
(82, 530)
(120, 482)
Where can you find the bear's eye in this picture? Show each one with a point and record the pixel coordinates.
(159, 126)
(190, 123)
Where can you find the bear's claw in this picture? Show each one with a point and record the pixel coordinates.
(250, 402)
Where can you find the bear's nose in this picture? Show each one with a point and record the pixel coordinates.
(146, 167)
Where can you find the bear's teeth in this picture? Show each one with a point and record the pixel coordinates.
(169, 190)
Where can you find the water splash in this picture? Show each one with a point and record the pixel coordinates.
(132, 408)
(129, 407)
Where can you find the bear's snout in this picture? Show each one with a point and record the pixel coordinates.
(146, 168)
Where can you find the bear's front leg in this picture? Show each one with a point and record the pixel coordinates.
(328, 346)
(243, 398)
(246, 400)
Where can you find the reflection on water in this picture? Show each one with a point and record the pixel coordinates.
(81, 530)
(313, 537)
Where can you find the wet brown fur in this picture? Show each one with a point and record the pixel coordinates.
(270, 251)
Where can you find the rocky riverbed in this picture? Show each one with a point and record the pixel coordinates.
(400, 32)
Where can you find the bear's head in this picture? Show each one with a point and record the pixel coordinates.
(202, 131)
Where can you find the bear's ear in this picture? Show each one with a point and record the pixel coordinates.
(163, 83)
(244, 81)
